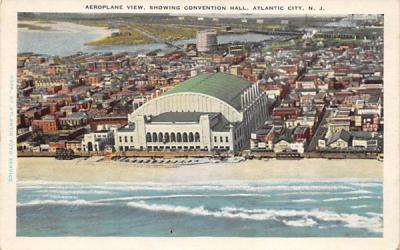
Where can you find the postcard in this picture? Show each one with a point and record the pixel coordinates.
(199, 125)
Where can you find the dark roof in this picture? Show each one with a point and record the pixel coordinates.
(361, 135)
(222, 125)
(300, 130)
(181, 117)
(264, 131)
(284, 138)
(76, 115)
(341, 134)
(127, 128)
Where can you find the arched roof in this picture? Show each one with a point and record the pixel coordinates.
(187, 101)
(227, 88)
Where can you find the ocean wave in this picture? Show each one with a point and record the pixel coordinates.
(60, 197)
(163, 187)
(374, 223)
(63, 199)
(340, 181)
(73, 192)
(352, 198)
(360, 206)
(305, 222)
(306, 193)
(375, 214)
(367, 184)
(153, 197)
(300, 217)
(59, 202)
(201, 211)
(361, 191)
(326, 227)
(304, 200)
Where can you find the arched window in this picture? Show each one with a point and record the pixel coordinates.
(191, 137)
(178, 137)
(185, 137)
(166, 137)
(197, 137)
(160, 137)
(155, 137)
(173, 139)
(148, 137)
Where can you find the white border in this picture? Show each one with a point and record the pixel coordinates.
(390, 240)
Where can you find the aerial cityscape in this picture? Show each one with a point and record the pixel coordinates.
(305, 93)
(139, 108)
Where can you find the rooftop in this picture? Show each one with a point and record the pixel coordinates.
(48, 117)
(181, 117)
(341, 134)
(300, 130)
(225, 87)
(76, 115)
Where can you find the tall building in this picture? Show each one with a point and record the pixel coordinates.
(207, 112)
(206, 40)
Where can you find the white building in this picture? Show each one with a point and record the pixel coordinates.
(97, 141)
(207, 112)
(289, 144)
(206, 40)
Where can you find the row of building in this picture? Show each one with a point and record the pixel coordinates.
(335, 105)
(232, 98)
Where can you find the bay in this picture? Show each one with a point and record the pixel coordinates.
(66, 38)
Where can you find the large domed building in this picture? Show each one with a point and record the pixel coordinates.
(207, 112)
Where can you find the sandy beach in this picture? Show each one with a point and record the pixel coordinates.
(79, 170)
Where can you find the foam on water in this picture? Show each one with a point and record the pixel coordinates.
(315, 208)
(153, 197)
(59, 202)
(360, 206)
(352, 198)
(73, 192)
(305, 222)
(373, 223)
(304, 200)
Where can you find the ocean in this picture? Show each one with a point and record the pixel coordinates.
(340, 208)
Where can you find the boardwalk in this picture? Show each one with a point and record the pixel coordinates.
(160, 154)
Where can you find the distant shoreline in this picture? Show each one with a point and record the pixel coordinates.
(79, 170)
(33, 27)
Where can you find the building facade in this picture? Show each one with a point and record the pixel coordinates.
(206, 40)
(97, 141)
(207, 112)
